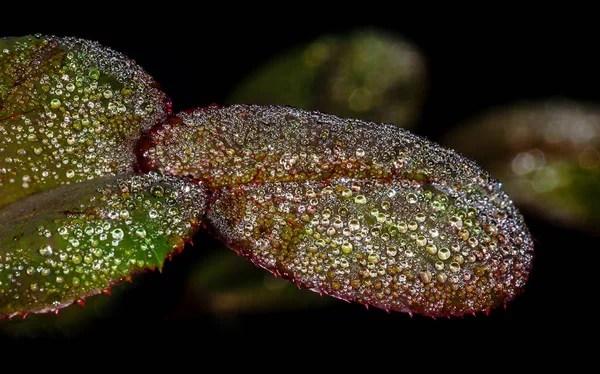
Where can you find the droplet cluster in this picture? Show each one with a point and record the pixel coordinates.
(251, 143)
(357, 210)
(70, 110)
(77, 240)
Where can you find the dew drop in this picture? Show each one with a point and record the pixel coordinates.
(360, 199)
(157, 190)
(117, 234)
(444, 254)
(94, 74)
(55, 104)
(46, 251)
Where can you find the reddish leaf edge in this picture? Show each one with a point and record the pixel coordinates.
(486, 312)
(81, 301)
(145, 166)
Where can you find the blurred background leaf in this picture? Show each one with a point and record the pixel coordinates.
(545, 153)
(368, 74)
(226, 283)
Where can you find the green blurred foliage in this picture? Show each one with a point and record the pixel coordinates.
(226, 283)
(366, 74)
(547, 154)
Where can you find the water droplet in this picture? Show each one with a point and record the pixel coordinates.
(94, 74)
(431, 249)
(55, 104)
(157, 190)
(444, 254)
(140, 232)
(360, 199)
(76, 259)
(456, 222)
(117, 234)
(46, 251)
(454, 266)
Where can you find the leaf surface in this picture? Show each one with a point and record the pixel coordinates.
(74, 241)
(360, 211)
(70, 110)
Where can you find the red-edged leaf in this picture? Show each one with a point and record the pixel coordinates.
(74, 241)
(360, 211)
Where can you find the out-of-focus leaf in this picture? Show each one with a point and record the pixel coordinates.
(546, 154)
(367, 74)
(70, 110)
(74, 241)
(226, 283)
(357, 210)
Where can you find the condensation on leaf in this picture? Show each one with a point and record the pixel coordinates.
(74, 241)
(547, 155)
(241, 144)
(360, 211)
(367, 74)
(70, 110)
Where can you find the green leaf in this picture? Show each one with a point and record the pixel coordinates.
(547, 154)
(360, 211)
(224, 283)
(367, 74)
(74, 241)
(70, 110)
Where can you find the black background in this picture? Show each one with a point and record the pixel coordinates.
(200, 57)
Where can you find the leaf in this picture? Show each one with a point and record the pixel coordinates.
(226, 283)
(547, 154)
(70, 110)
(367, 74)
(75, 241)
(242, 144)
(360, 211)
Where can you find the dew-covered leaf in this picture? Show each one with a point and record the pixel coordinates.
(59, 246)
(70, 110)
(368, 74)
(546, 154)
(360, 211)
(250, 143)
